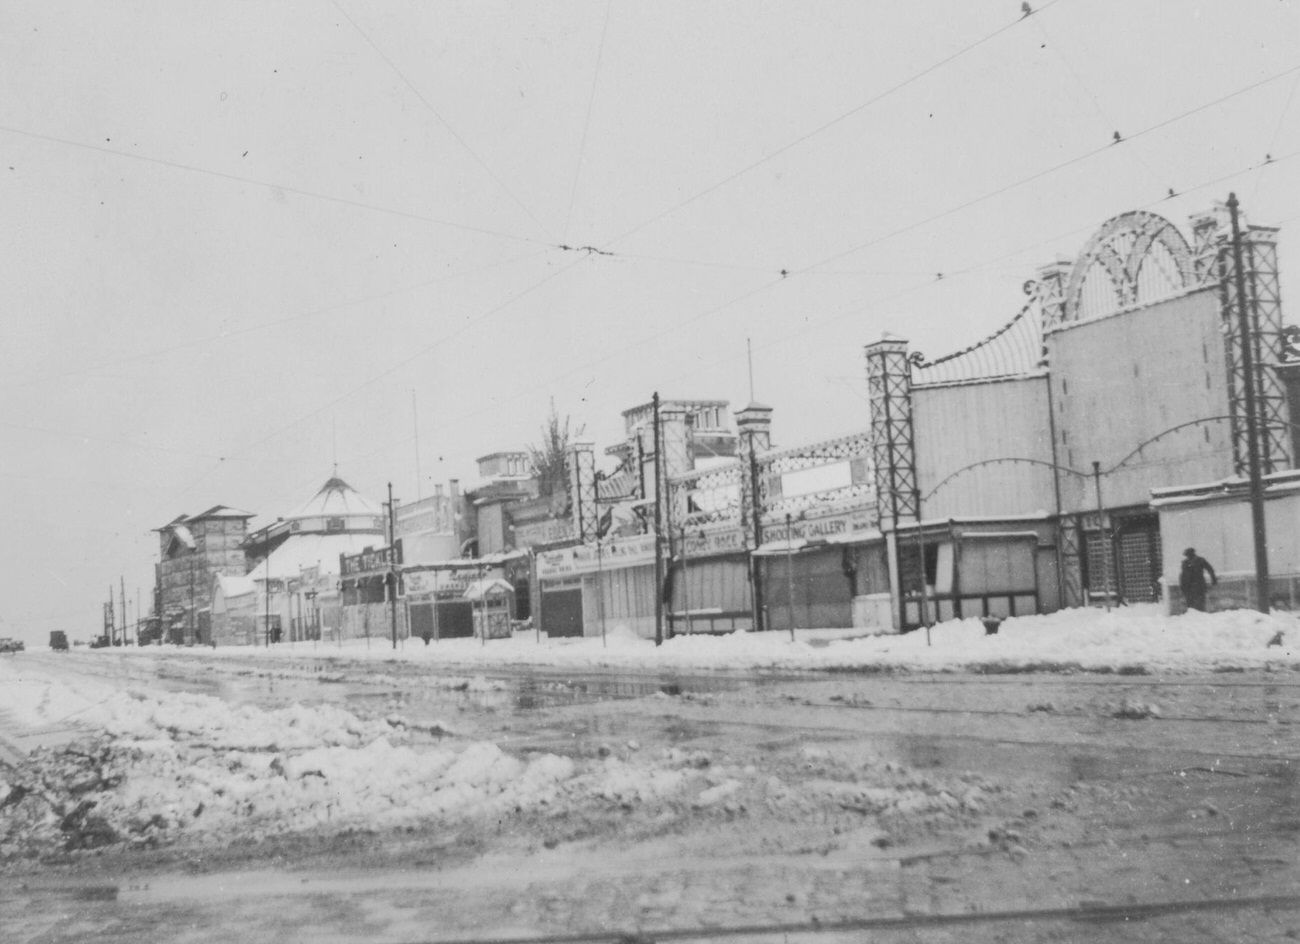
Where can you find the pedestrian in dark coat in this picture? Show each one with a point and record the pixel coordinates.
(1192, 579)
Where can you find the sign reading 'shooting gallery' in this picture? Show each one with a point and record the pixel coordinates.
(638, 551)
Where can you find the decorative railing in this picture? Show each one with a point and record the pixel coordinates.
(713, 497)
(1013, 350)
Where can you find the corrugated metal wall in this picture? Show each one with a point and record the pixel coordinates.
(1122, 380)
(959, 425)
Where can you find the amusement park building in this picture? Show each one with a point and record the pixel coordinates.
(289, 587)
(1012, 477)
(194, 551)
(1063, 461)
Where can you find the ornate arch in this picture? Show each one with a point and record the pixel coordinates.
(1134, 259)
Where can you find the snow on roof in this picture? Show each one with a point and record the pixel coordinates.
(183, 535)
(301, 551)
(488, 588)
(220, 511)
(336, 499)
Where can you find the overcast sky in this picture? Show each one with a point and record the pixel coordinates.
(244, 241)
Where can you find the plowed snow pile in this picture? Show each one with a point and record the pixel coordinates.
(190, 769)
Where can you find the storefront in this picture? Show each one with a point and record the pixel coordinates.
(709, 589)
(436, 596)
(589, 589)
(993, 568)
(809, 571)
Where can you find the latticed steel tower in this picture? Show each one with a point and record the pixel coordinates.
(893, 449)
(582, 486)
(1213, 241)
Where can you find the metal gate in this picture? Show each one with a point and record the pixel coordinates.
(1137, 547)
(454, 619)
(422, 620)
(562, 612)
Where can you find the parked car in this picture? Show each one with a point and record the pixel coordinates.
(99, 642)
(11, 645)
(59, 640)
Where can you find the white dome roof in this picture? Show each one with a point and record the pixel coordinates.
(337, 499)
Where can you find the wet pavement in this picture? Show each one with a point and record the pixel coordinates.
(1127, 809)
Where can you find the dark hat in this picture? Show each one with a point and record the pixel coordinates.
(1190, 552)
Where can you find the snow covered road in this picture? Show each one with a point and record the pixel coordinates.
(255, 796)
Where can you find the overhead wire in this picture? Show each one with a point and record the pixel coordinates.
(586, 125)
(261, 326)
(271, 185)
(677, 326)
(1074, 73)
(749, 294)
(826, 126)
(930, 219)
(1277, 131)
(1007, 188)
(92, 437)
(857, 310)
(443, 121)
(407, 359)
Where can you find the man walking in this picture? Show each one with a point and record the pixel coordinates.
(1191, 579)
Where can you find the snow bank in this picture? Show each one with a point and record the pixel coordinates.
(164, 768)
(1091, 639)
(161, 767)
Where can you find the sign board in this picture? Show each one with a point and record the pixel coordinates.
(368, 561)
(543, 532)
(845, 526)
(445, 580)
(586, 558)
(708, 543)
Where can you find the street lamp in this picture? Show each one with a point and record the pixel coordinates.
(789, 575)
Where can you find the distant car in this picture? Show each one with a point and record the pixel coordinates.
(11, 645)
(99, 642)
(59, 640)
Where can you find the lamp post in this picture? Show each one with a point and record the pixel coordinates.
(392, 567)
(686, 587)
(1105, 536)
(789, 575)
(659, 553)
(482, 607)
(600, 589)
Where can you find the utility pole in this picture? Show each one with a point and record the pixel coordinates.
(415, 422)
(920, 553)
(121, 583)
(1248, 368)
(112, 617)
(756, 512)
(659, 551)
(268, 595)
(1103, 531)
(392, 567)
(686, 587)
(789, 575)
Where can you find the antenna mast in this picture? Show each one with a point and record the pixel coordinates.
(749, 345)
(415, 419)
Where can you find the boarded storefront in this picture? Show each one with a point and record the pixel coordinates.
(593, 588)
